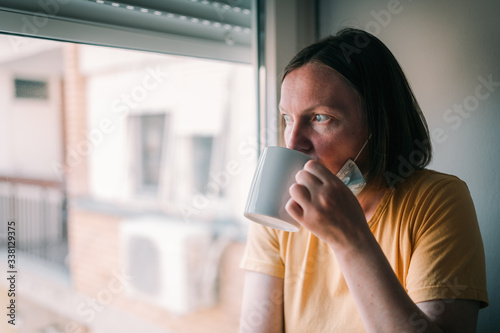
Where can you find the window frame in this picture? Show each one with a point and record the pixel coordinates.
(50, 27)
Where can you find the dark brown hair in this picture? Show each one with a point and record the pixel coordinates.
(400, 137)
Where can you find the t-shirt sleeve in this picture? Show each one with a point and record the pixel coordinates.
(262, 252)
(448, 255)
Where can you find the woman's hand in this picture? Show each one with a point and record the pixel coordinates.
(322, 203)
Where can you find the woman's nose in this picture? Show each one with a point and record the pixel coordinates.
(296, 137)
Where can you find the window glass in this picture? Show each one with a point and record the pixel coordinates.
(202, 156)
(31, 89)
(129, 181)
(150, 148)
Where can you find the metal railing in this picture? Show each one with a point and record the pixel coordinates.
(39, 211)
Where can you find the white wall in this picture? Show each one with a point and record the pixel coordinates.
(30, 130)
(444, 48)
(201, 97)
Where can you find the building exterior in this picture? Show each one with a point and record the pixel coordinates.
(126, 174)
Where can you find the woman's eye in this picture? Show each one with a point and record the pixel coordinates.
(287, 118)
(321, 118)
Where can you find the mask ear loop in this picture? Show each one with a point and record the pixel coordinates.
(364, 145)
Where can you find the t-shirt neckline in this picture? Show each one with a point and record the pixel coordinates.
(381, 207)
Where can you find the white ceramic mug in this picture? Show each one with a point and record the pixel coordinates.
(269, 194)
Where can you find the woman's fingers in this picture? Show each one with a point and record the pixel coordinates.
(294, 210)
(307, 179)
(300, 196)
(321, 172)
(307, 185)
(300, 193)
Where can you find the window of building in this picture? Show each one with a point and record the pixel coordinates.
(202, 157)
(34, 89)
(149, 136)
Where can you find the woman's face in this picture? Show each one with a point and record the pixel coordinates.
(323, 116)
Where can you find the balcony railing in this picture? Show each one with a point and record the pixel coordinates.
(39, 211)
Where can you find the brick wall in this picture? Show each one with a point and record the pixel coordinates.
(94, 250)
(75, 143)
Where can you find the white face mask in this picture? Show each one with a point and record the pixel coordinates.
(350, 174)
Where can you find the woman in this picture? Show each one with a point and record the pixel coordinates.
(400, 253)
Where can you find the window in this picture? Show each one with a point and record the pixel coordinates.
(202, 157)
(31, 89)
(151, 149)
(156, 152)
(155, 149)
(150, 144)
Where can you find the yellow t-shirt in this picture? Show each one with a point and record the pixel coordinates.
(428, 230)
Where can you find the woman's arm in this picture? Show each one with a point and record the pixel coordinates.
(262, 309)
(451, 315)
(385, 306)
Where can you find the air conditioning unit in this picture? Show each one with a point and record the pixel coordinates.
(169, 263)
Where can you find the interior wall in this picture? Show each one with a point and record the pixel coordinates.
(449, 51)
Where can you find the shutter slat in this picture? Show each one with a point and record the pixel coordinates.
(222, 26)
